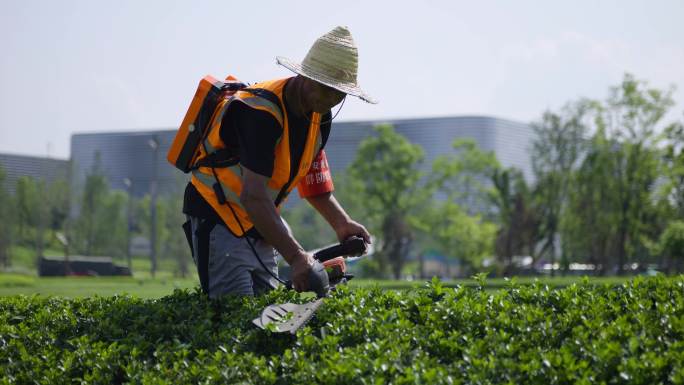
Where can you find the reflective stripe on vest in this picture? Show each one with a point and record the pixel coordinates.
(216, 120)
(262, 104)
(209, 180)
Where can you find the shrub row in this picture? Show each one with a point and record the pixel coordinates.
(582, 334)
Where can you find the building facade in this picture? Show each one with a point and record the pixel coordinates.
(38, 168)
(509, 140)
(131, 161)
(135, 160)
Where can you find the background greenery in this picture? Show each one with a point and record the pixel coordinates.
(77, 287)
(608, 191)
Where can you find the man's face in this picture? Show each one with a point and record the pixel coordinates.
(320, 97)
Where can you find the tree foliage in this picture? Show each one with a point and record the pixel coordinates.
(7, 220)
(588, 223)
(309, 227)
(558, 145)
(449, 229)
(91, 219)
(612, 216)
(464, 176)
(672, 189)
(519, 221)
(457, 220)
(671, 246)
(27, 204)
(607, 190)
(386, 178)
(174, 244)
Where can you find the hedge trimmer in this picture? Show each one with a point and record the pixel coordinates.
(289, 317)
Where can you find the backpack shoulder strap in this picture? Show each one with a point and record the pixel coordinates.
(266, 94)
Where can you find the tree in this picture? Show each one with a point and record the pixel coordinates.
(385, 177)
(633, 112)
(672, 189)
(6, 222)
(589, 222)
(39, 210)
(557, 147)
(174, 243)
(27, 202)
(110, 225)
(58, 203)
(609, 216)
(43, 217)
(309, 227)
(454, 232)
(671, 246)
(456, 221)
(465, 176)
(32, 213)
(93, 200)
(100, 228)
(144, 223)
(518, 219)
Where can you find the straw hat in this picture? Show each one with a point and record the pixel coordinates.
(333, 61)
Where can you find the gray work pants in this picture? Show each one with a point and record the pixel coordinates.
(227, 265)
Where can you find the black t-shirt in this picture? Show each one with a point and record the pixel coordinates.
(253, 135)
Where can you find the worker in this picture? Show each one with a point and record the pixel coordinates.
(275, 136)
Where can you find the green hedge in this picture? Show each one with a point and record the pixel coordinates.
(581, 334)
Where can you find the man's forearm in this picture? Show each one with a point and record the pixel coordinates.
(263, 214)
(329, 208)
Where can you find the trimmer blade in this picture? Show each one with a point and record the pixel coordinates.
(287, 317)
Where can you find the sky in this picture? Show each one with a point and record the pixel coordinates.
(93, 66)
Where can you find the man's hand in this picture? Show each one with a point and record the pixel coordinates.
(350, 228)
(301, 266)
(308, 274)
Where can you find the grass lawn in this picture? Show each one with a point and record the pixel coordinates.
(490, 283)
(22, 280)
(12, 284)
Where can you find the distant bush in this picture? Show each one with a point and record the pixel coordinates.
(16, 280)
(584, 334)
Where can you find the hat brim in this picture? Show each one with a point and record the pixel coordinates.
(347, 88)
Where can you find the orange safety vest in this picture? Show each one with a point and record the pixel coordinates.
(230, 178)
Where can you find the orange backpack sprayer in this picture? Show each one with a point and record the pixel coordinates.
(186, 145)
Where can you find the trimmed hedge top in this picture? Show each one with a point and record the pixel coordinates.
(583, 334)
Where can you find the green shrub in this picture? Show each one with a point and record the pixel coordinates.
(16, 280)
(582, 334)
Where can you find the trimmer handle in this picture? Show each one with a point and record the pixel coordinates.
(351, 246)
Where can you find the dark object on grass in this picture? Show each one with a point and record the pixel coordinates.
(80, 266)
